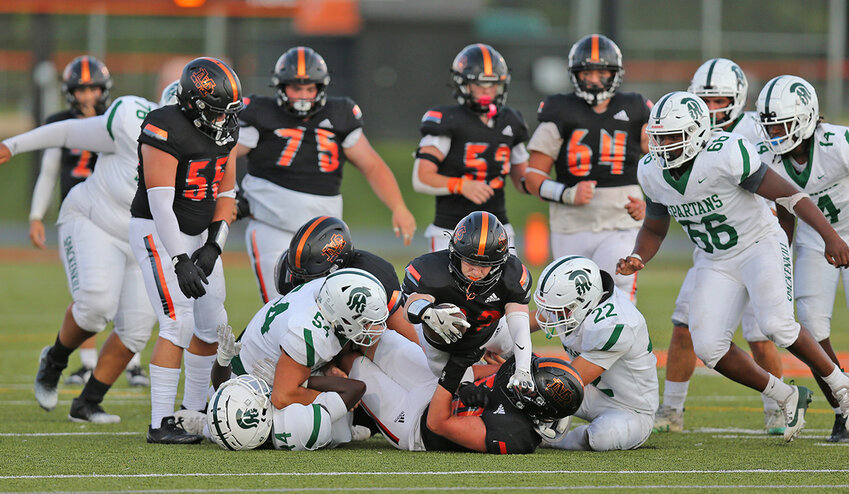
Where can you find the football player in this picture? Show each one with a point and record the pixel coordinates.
(708, 182)
(723, 87)
(815, 156)
(182, 206)
(296, 145)
(608, 342)
(592, 138)
(104, 277)
(458, 297)
(467, 150)
(415, 411)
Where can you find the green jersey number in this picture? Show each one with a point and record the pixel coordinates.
(829, 210)
(712, 237)
(273, 311)
(716, 145)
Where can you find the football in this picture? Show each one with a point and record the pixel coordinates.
(432, 336)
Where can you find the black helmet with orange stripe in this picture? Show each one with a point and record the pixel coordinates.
(322, 245)
(559, 390)
(210, 95)
(86, 71)
(596, 52)
(481, 240)
(480, 64)
(301, 65)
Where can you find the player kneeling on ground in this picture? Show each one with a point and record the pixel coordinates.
(608, 341)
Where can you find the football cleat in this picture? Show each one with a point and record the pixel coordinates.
(191, 421)
(794, 408)
(79, 376)
(169, 433)
(842, 397)
(86, 411)
(774, 422)
(668, 419)
(839, 434)
(46, 380)
(361, 432)
(137, 378)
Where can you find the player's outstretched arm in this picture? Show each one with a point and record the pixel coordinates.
(648, 242)
(384, 185)
(85, 133)
(519, 325)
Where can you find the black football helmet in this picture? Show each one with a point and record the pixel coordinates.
(301, 65)
(210, 95)
(559, 390)
(86, 71)
(322, 245)
(478, 239)
(596, 52)
(479, 64)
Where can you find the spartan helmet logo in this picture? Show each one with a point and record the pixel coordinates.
(739, 74)
(249, 419)
(357, 299)
(801, 91)
(693, 107)
(582, 281)
(202, 81)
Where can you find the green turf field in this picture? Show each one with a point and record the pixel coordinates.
(723, 448)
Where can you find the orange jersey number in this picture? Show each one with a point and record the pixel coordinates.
(198, 184)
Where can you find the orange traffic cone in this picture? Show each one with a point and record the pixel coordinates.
(536, 240)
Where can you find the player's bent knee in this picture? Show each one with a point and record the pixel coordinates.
(91, 318)
(782, 333)
(708, 350)
(134, 339)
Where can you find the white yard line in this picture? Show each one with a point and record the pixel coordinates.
(497, 489)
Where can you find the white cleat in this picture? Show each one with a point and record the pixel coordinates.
(794, 408)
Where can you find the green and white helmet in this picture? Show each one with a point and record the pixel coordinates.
(169, 94)
(239, 415)
(353, 301)
(721, 78)
(678, 114)
(569, 288)
(790, 101)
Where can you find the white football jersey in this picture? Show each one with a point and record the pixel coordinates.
(113, 183)
(293, 323)
(719, 215)
(615, 336)
(825, 177)
(747, 125)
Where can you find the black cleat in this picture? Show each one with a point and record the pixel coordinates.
(79, 377)
(46, 380)
(86, 411)
(169, 433)
(136, 377)
(839, 434)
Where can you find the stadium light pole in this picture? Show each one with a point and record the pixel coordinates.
(711, 29)
(836, 54)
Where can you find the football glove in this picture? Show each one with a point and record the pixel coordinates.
(264, 369)
(205, 257)
(473, 396)
(228, 347)
(522, 382)
(444, 323)
(190, 277)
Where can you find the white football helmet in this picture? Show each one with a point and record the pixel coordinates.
(302, 427)
(677, 114)
(169, 94)
(569, 288)
(720, 77)
(239, 415)
(353, 301)
(792, 102)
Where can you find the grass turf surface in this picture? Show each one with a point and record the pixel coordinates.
(723, 448)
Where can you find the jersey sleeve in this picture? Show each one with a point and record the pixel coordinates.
(413, 278)
(156, 132)
(549, 109)
(604, 344)
(520, 129)
(741, 157)
(518, 281)
(435, 122)
(843, 147)
(124, 119)
(351, 118)
(385, 273)
(299, 344)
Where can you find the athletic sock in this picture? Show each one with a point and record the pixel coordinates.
(94, 390)
(88, 356)
(675, 394)
(769, 403)
(59, 353)
(837, 379)
(198, 368)
(777, 389)
(163, 393)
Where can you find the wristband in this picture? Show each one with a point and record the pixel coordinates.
(417, 309)
(455, 185)
(551, 190)
(218, 232)
(637, 256)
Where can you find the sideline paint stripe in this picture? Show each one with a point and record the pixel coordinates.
(440, 473)
(497, 489)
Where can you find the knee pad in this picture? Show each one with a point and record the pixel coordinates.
(818, 324)
(135, 339)
(92, 317)
(708, 348)
(782, 331)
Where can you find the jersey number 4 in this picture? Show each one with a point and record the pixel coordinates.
(326, 147)
(579, 156)
(203, 178)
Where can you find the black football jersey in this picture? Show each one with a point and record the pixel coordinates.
(604, 147)
(380, 268)
(200, 167)
(508, 429)
(478, 152)
(301, 155)
(428, 274)
(76, 164)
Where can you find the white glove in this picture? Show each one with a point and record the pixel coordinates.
(522, 382)
(442, 322)
(552, 431)
(228, 347)
(265, 369)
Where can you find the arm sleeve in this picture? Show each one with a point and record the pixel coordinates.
(161, 201)
(46, 182)
(86, 133)
(352, 138)
(518, 323)
(440, 142)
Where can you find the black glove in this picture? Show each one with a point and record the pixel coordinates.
(205, 258)
(190, 277)
(243, 207)
(473, 396)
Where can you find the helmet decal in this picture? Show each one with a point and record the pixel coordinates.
(582, 281)
(459, 233)
(203, 82)
(801, 91)
(333, 248)
(247, 419)
(357, 299)
(693, 107)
